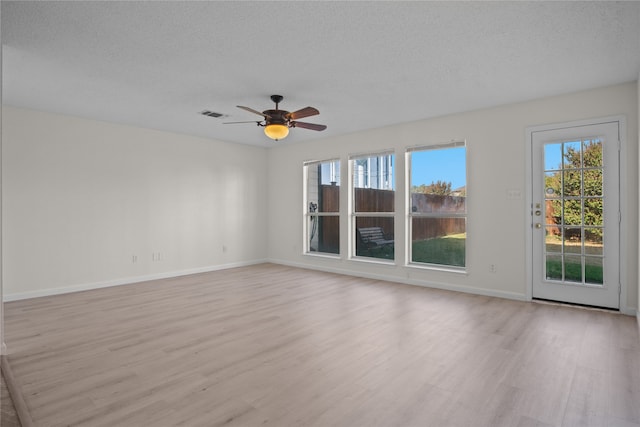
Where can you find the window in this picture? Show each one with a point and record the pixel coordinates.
(438, 204)
(373, 205)
(322, 216)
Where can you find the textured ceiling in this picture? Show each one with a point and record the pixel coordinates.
(362, 64)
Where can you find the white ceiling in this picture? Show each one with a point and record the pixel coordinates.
(362, 64)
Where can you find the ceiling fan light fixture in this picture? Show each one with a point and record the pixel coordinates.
(277, 122)
(276, 131)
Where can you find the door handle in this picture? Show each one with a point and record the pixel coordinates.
(538, 225)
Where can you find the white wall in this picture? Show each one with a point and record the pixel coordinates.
(82, 198)
(497, 225)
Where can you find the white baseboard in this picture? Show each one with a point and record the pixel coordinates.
(629, 311)
(407, 281)
(124, 281)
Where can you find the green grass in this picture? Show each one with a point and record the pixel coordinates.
(449, 250)
(384, 252)
(573, 272)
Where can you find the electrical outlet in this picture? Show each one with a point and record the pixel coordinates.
(134, 258)
(224, 249)
(493, 268)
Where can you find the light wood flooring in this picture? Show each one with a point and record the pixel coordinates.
(8, 414)
(280, 346)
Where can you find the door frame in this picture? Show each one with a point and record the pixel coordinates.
(623, 201)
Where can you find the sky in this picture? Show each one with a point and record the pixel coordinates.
(446, 164)
(553, 154)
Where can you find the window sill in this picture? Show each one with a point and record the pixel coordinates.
(433, 267)
(322, 255)
(368, 260)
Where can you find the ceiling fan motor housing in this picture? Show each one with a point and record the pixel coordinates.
(276, 117)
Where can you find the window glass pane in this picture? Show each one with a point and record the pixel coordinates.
(323, 187)
(592, 153)
(574, 206)
(374, 183)
(437, 203)
(553, 157)
(572, 183)
(324, 234)
(373, 200)
(593, 270)
(573, 268)
(438, 191)
(553, 212)
(553, 240)
(552, 184)
(439, 172)
(374, 237)
(573, 240)
(554, 267)
(592, 182)
(438, 241)
(376, 171)
(593, 241)
(572, 154)
(593, 211)
(323, 196)
(572, 212)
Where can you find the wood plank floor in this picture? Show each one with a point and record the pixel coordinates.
(8, 414)
(281, 346)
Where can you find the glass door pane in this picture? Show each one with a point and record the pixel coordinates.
(573, 200)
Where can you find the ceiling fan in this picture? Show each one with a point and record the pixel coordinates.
(277, 122)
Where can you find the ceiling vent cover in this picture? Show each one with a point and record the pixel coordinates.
(212, 114)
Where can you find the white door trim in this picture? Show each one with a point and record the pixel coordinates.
(623, 200)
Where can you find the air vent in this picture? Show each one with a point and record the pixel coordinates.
(212, 114)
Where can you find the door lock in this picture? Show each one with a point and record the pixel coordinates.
(538, 225)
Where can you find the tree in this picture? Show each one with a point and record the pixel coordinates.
(579, 178)
(440, 187)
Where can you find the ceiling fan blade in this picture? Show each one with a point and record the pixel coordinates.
(251, 110)
(312, 126)
(304, 112)
(233, 123)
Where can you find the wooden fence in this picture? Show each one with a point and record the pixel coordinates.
(372, 200)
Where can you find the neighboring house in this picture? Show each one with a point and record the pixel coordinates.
(374, 172)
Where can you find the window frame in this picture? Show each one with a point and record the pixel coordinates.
(410, 215)
(308, 215)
